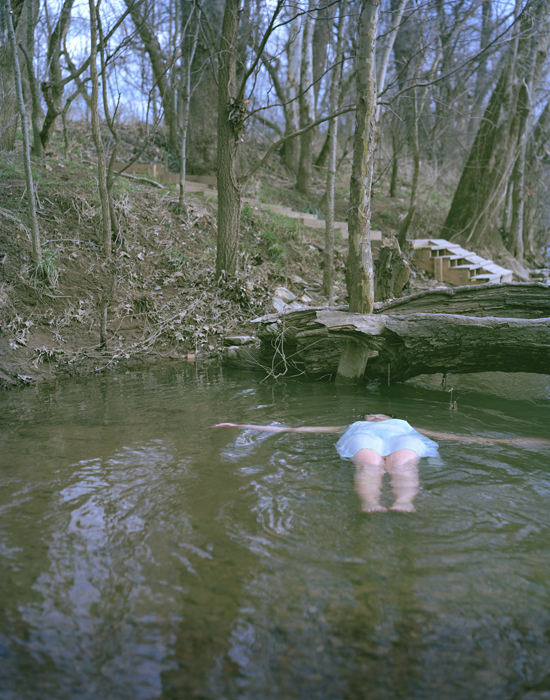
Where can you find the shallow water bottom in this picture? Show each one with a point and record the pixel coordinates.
(145, 556)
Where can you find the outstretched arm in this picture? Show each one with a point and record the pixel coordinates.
(519, 442)
(280, 428)
(462, 438)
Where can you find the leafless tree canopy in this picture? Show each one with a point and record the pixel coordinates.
(459, 92)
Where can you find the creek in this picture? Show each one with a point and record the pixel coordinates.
(144, 556)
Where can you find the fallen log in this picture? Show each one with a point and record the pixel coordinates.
(510, 300)
(399, 345)
(402, 347)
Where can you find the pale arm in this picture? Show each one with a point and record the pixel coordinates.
(280, 428)
(519, 442)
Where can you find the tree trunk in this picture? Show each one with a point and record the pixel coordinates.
(52, 89)
(101, 174)
(321, 38)
(9, 112)
(33, 220)
(307, 107)
(482, 184)
(103, 307)
(507, 210)
(394, 165)
(32, 18)
(391, 273)
(507, 300)
(160, 68)
(292, 112)
(110, 119)
(408, 59)
(406, 225)
(229, 126)
(328, 271)
(361, 283)
(518, 176)
(388, 48)
(482, 79)
(188, 47)
(500, 139)
(535, 162)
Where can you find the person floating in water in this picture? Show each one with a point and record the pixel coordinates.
(380, 444)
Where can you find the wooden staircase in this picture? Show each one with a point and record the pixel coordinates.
(207, 184)
(450, 263)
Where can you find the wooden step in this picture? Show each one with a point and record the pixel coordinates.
(450, 263)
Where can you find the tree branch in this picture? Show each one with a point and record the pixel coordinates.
(294, 134)
(265, 38)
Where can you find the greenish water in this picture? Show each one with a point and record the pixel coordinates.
(144, 556)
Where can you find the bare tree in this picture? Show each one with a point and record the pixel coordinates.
(536, 183)
(233, 108)
(307, 104)
(9, 112)
(188, 47)
(529, 71)
(111, 125)
(28, 51)
(483, 183)
(231, 115)
(292, 111)
(100, 150)
(328, 272)
(161, 65)
(360, 269)
(53, 89)
(33, 220)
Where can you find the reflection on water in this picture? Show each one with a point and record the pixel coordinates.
(519, 385)
(144, 556)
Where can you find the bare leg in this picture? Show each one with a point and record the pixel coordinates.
(403, 468)
(368, 479)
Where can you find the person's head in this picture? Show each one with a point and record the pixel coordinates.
(377, 417)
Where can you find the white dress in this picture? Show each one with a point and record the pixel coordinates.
(384, 437)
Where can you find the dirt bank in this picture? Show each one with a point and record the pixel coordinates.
(165, 303)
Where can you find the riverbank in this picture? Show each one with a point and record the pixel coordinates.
(164, 304)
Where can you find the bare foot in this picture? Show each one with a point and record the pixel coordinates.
(373, 509)
(403, 508)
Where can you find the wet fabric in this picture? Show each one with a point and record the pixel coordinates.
(384, 437)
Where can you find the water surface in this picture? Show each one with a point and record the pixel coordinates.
(144, 556)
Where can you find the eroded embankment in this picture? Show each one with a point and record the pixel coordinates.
(165, 304)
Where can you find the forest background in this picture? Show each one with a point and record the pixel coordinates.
(327, 106)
